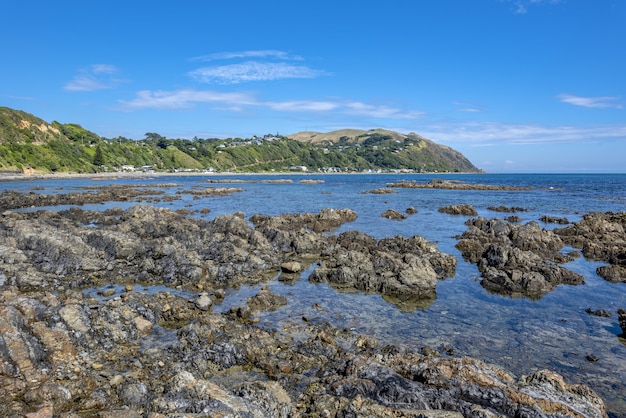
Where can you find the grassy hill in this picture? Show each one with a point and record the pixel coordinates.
(30, 145)
(391, 150)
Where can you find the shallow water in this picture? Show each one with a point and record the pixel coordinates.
(519, 334)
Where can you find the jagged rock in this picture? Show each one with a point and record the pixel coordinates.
(601, 236)
(400, 267)
(138, 354)
(554, 220)
(393, 214)
(621, 313)
(516, 259)
(465, 209)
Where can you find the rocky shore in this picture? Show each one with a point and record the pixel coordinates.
(147, 342)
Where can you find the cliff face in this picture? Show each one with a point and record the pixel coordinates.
(20, 127)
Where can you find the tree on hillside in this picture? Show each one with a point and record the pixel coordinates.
(98, 158)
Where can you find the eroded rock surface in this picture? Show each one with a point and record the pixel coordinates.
(464, 209)
(399, 267)
(135, 353)
(516, 259)
(601, 236)
(72, 355)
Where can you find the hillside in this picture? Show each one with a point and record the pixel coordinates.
(391, 150)
(30, 145)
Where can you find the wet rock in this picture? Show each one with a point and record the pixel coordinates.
(13, 199)
(465, 209)
(411, 210)
(554, 220)
(599, 312)
(601, 236)
(621, 314)
(326, 220)
(265, 300)
(383, 190)
(516, 259)
(612, 273)
(291, 267)
(217, 365)
(507, 209)
(452, 185)
(159, 354)
(400, 267)
(393, 214)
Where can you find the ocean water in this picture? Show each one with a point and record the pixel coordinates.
(519, 334)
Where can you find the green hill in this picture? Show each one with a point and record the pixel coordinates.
(30, 145)
(391, 150)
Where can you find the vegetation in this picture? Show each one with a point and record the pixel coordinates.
(29, 144)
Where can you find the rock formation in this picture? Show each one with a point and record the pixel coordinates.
(516, 259)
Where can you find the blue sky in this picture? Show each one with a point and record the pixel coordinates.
(515, 85)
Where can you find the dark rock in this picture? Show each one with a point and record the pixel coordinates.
(138, 354)
(516, 259)
(507, 209)
(399, 267)
(621, 315)
(599, 312)
(554, 220)
(393, 214)
(602, 237)
(464, 209)
(411, 210)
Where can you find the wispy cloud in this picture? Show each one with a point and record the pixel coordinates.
(95, 77)
(252, 71)
(491, 133)
(381, 112)
(237, 101)
(467, 107)
(521, 6)
(179, 99)
(267, 53)
(252, 65)
(597, 102)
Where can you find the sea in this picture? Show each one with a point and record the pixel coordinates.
(519, 334)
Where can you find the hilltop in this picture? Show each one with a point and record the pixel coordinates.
(29, 144)
(389, 149)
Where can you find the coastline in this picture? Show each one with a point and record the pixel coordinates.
(130, 244)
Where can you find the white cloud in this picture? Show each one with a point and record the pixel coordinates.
(147, 99)
(597, 102)
(252, 71)
(382, 112)
(240, 100)
(268, 53)
(96, 77)
(490, 133)
(302, 106)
